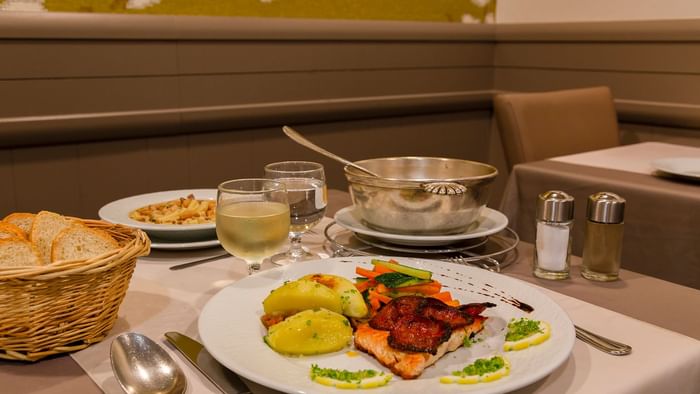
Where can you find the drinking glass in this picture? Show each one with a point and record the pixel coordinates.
(306, 191)
(252, 218)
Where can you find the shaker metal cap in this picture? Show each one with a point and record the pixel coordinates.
(555, 206)
(605, 207)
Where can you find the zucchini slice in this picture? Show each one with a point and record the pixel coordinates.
(404, 269)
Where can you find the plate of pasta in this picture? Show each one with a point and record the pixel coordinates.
(187, 215)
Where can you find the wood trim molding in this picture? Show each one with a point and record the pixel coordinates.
(64, 25)
(659, 113)
(52, 129)
(622, 31)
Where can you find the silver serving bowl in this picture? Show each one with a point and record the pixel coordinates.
(399, 202)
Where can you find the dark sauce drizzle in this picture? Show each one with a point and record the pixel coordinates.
(487, 290)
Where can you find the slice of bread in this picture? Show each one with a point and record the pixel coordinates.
(44, 229)
(80, 242)
(18, 253)
(22, 220)
(9, 230)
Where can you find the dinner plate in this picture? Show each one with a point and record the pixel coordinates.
(686, 167)
(230, 329)
(490, 222)
(118, 212)
(168, 245)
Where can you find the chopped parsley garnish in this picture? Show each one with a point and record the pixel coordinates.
(342, 374)
(467, 342)
(482, 366)
(522, 328)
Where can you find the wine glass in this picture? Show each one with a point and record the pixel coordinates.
(252, 218)
(306, 190)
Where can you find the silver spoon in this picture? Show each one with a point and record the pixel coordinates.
(142, 367)
(442, 188)
(294, 135)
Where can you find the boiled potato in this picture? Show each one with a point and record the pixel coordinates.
(313, 331)
(352, 302)
(302, 294)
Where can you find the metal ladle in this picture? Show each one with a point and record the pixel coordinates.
(142, 367)
(443, 188)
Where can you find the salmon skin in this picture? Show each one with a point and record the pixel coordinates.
(412, 332)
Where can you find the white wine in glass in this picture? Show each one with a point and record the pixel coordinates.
(252, 219)
(307, 195)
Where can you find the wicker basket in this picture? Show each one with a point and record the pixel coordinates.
(70, 305)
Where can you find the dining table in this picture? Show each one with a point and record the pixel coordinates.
(657, 318)
(662, 210)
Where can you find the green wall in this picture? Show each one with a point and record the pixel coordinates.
(407, 10)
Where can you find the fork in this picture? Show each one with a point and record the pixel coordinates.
(602, 343)
(468, 258)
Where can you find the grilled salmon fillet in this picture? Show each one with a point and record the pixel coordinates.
(412, 332)
(407, 364)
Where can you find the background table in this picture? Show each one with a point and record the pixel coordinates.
(662, 214)
(635, 295)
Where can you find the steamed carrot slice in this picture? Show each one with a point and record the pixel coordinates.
(382, 270)
(429, 288)
(373, 302)
(454, 303)
(382, 298)
(362, 286)
(366, 273)
(444, 296)
(381, 288)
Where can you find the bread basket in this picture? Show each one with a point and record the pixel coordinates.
(69, 305)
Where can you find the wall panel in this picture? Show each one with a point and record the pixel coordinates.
(44, 59)
(632, 57)
(70, 96)
(650, 87)
(46, 178)
(225, 57)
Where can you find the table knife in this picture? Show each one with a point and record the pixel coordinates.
(225, 380)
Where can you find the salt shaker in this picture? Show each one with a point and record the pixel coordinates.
(602, 245)
(554, 221)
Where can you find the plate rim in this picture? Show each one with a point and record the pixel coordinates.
(559, 358)
(422, 239)
(661, 164)
(210, 243)
(104, 212)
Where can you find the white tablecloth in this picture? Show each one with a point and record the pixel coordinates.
(635, 158)
(161, 300)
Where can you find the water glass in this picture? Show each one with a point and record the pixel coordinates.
(307, 194)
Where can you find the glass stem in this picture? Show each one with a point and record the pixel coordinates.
(295, 252)
(253, 267)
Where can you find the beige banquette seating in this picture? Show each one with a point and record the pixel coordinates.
(537, 126)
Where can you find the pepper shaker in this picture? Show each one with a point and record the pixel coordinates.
(554, 221)
(602, 245)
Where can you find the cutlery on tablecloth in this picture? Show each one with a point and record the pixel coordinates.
(224, 379)
(198, 262)
(131, 354)
(602, 343)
